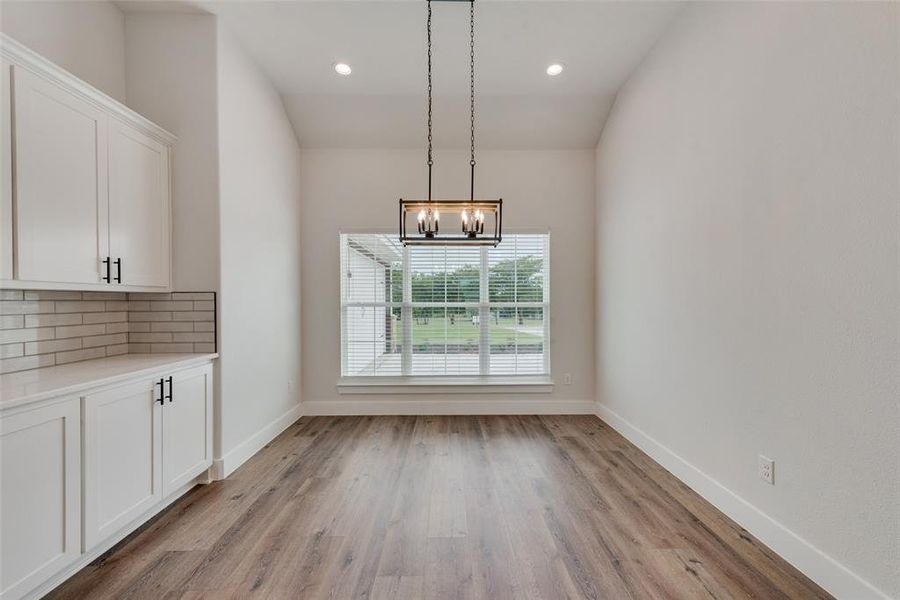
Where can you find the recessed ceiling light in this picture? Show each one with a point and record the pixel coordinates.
(342, 69)
(555, 69)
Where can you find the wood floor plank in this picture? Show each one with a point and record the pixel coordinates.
(481, 507)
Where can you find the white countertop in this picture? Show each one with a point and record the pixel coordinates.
(39, 384)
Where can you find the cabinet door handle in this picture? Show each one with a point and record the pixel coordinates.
(169, 397)
(162, 386)
(106, 277)
(118, 270)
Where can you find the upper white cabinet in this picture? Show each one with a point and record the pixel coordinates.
(40, 483)
(138, 206)
(61, 196)
(6, 228)
(88, 201)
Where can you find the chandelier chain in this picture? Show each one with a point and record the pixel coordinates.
(430, 156)
(472, 81)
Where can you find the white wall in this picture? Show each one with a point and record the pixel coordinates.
(86, 38)
(260, 253)
(359, 189)
(748, 268)
(171, 79)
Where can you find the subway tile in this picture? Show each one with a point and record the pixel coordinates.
(193, 316)
(52, 320)
(149, 296)
(80, 306)
(117, 328)
(194, 337)
(26, 307)
(12, 321)
(80, 331)
(24, 363)
(12, 350)
(193, 295)
(104, 340)
(117, 350)
(52, 346)
(171, 305)
(150, 316)
(51, 295)
(44, 327)
(11, 336)
(161, 348)
(172, 326)
(105, 296)
(77, 355)
(105, 317)
(149, 337)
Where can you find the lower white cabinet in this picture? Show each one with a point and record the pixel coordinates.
(40, 494)
(187, 427)
(81, 471)
(143, 441)
(122, 458)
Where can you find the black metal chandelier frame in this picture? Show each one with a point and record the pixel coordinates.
(473, 213)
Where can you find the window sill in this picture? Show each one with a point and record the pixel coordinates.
(446, 385)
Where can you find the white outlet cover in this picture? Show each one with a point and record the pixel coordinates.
(767, 469)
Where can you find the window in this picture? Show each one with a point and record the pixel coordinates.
(444, 311)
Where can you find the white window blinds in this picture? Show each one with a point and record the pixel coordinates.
(444, 310)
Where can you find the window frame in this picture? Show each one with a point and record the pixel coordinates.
(450, 383)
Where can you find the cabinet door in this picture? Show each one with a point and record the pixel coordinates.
(40, 495)
(61, 199)
(122, 452)
(6, 228)
(138, 206)
(187, 427)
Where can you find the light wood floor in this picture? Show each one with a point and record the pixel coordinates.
(443, 507)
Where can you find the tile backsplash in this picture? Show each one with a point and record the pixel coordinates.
(45, 328)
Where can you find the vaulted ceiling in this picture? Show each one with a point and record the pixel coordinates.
(381, 104)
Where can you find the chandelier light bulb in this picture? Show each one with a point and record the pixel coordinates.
(555, 69)
(342, 69)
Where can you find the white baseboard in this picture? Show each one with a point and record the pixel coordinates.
(815, 564)
(448, 406)
(234, 458)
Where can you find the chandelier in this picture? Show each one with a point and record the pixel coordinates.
(480, 221)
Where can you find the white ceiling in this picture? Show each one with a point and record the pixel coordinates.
(382, 103)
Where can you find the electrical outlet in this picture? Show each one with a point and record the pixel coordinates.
(767, 469)
(568, 379)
